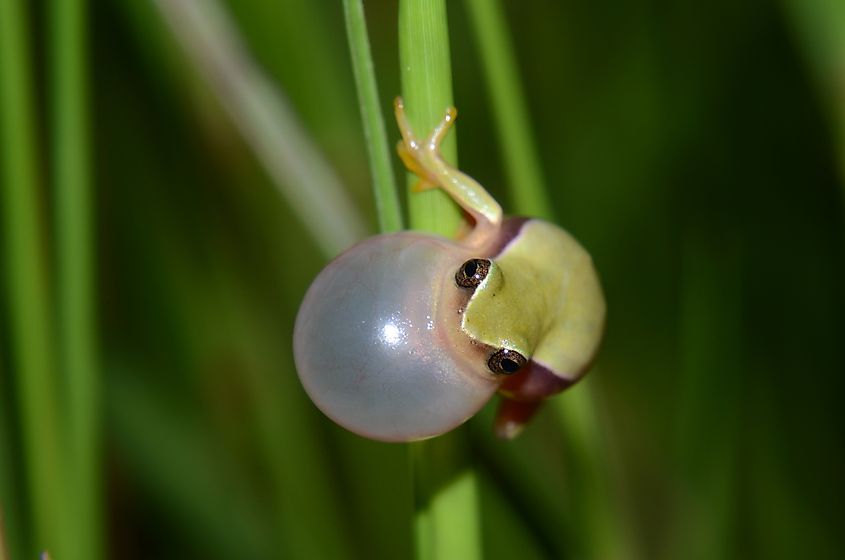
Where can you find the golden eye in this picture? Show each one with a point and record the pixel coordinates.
(506, 362)
(472, 273)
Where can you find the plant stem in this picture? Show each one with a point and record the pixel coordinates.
(384, 184)
(28, 293)
(602, 532)
(4, 553)
(446, 523)
(76, 285)
(518, 149)
(821, 25)
(427, 89)
(12, 536)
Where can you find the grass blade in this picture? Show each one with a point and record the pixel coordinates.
(517, 146)
(447, 520)
(76, 285)
(28, 292)
(821, 27)
(303, 176)
(384, 185)
(4, 554)
(427, 90)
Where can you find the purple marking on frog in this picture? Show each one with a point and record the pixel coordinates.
(534, 382)
(509, 231)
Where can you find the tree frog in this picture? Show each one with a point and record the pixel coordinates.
(407, 335)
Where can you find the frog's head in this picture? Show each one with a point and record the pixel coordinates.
(539, 308)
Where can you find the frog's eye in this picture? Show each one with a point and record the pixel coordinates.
(506, 362)
(472, 273)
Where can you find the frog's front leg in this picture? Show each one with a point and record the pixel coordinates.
(423, 158)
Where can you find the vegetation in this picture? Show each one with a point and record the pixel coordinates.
(175, 173)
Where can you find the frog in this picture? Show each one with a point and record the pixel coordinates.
(407, 335)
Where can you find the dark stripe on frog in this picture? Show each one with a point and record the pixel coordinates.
(509, 231)
(534, 382)
(512, 417)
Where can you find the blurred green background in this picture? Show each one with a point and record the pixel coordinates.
(694, 148)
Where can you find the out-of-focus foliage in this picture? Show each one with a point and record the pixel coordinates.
(690, 146)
